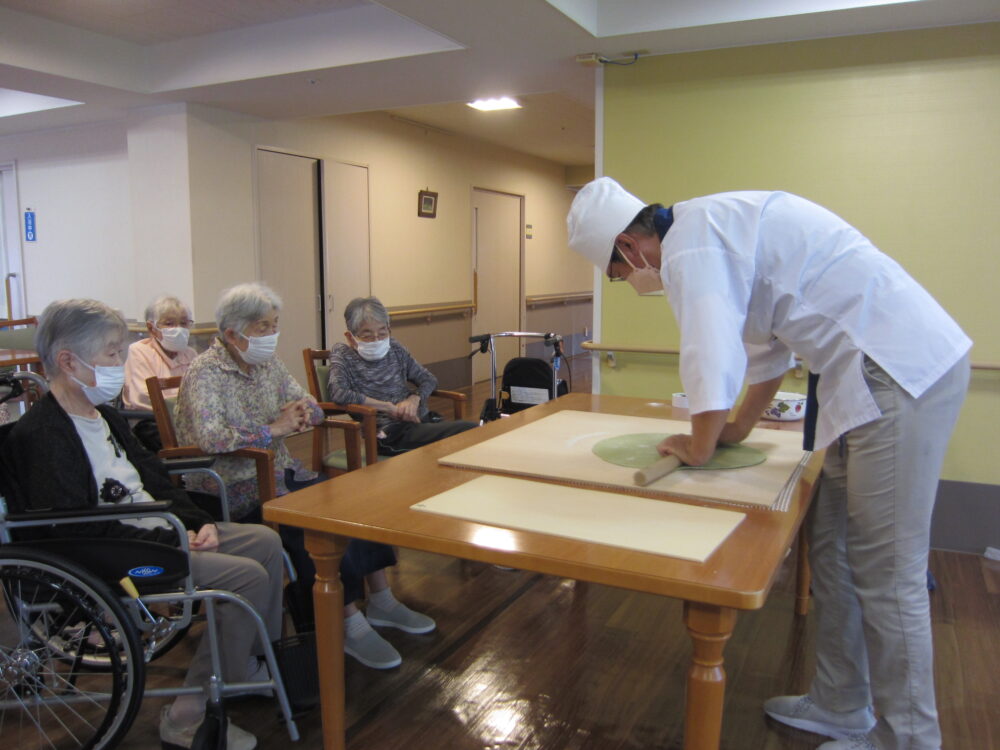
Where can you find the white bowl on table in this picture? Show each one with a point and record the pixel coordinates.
(786, 407)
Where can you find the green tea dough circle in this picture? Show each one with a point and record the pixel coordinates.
(638, 451)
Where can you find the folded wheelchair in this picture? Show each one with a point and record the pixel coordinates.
(81, 618)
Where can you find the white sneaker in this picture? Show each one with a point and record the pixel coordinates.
(176, 737)
(801, 712)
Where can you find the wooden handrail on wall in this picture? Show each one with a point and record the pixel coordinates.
(595, 347)
(559, 299)
(432, 311)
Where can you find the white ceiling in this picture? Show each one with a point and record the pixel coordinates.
(418, 59)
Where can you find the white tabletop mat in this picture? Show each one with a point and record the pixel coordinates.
(559, 447)
(690, 532)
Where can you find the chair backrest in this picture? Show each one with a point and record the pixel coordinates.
(317, 372)
(163, 408)
(18, 334)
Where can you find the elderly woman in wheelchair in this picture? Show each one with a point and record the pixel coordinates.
(72, 452)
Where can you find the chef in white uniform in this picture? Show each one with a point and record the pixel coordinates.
(752, 277)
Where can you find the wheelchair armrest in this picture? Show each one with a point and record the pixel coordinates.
(182, 464)
(131, 510)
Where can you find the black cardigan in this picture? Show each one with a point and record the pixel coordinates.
(46, 467)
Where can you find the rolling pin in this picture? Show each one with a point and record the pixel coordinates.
(656, 470)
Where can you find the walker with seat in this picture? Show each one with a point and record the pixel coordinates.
(526, 381)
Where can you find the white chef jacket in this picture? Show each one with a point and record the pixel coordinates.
(755, 276)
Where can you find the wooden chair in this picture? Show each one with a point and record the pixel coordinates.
(163, 412)
(334, 462)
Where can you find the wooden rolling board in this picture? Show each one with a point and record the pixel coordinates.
(690, 532)
(559, 447)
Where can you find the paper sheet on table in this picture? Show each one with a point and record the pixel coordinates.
(559, 447)
(690, 532)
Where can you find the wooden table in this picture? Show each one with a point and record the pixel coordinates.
(374, 503)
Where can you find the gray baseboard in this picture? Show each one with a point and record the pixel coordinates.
(966, 517)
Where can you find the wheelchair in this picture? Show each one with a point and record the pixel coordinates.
(81, 618)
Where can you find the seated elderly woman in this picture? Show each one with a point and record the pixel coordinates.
(164, 354)
(238, 394)
(71, 450)
(376, 370)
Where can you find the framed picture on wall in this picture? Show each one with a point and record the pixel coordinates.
(427, 204)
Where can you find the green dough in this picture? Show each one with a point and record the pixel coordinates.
(638, 450)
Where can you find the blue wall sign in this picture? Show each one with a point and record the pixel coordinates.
(30, 235)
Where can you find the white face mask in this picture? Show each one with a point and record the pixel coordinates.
(174, 339)
(645, 280)
(108, 382)
(373, 350)
(260, 350)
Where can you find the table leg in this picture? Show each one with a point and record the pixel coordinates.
(328, 599)
(710, 627)
(803, 575)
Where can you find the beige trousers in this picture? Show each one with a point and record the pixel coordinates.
(870, 537)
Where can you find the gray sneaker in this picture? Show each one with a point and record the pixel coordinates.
(401, 617)
(857, 742)
(801, 712)
(373, 651)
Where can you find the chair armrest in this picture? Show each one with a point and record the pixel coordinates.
(369, 427)
(458, 401)
(262, 457)
(135, 413)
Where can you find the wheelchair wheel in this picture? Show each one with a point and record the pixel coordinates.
(51, 618)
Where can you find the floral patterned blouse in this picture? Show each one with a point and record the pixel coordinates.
(220, 408)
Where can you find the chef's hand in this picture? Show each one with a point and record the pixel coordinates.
(698, 447)
(206, 540)
(676, 445)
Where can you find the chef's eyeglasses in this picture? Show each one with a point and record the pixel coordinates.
(616, 257)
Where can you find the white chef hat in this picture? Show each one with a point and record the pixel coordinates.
(600, 212)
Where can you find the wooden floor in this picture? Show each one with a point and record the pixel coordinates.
(530, 662)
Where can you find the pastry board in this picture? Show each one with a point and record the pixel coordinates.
(558, 447)
(690, 532)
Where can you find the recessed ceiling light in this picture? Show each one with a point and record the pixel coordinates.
(489, 105)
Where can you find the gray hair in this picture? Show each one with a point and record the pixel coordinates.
(245, 304)
(164, 304)
(84, 326)
(361, 309)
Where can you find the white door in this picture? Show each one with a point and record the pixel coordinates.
(11, 268)
(496, 262)
(288, 210)
(347, 265)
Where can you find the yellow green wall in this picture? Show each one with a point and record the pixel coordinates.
(898, 133)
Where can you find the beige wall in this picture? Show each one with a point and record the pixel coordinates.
(415, 261)
(895, 132)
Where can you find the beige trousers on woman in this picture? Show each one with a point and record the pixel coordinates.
(248, 562)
